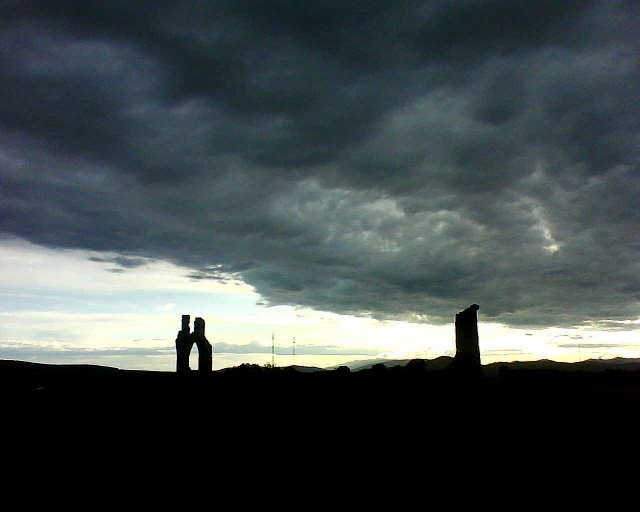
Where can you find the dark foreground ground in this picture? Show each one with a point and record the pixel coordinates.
(253, 402)
(314, 438)
(328, 431)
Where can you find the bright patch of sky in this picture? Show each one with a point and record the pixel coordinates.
(60, 306)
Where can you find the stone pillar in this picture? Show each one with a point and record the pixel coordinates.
(205, 351)
(467, 343)
(183, 346)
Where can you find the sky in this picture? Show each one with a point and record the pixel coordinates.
(347, 173)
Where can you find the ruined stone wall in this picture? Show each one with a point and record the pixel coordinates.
(183, 346)
(184, 343)
(467, 342)
(205, 351)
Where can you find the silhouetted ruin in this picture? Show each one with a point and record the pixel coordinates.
(466, 360)
(183, 346)
(467, 345)
(205, 352)
(184, 343)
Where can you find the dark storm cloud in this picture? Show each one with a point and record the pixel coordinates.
(399, 160)
(122, 261)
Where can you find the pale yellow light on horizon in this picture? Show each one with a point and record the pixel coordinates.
(29, 270)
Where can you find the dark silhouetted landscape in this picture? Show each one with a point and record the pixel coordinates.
(411, 398)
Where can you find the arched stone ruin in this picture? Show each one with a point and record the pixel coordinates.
(184, 343)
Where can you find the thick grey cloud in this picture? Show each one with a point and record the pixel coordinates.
(121, 261)
(393, 159)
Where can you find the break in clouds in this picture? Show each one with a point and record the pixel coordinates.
(397, 159)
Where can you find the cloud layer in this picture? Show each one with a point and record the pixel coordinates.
(399, 160)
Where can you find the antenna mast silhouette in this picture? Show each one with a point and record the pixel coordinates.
(273, 350)
(294, 351)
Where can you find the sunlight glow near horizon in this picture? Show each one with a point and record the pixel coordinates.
(58, 306)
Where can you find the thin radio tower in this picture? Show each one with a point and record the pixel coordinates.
(294, 351)
(273, 350)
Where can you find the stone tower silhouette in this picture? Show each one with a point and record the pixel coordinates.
(467, 344)
(183, 346)
(205, 351)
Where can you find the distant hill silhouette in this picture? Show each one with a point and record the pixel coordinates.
(443, 362)
(588, 365)
(439, 363)
(10, 367)
(14, 367)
